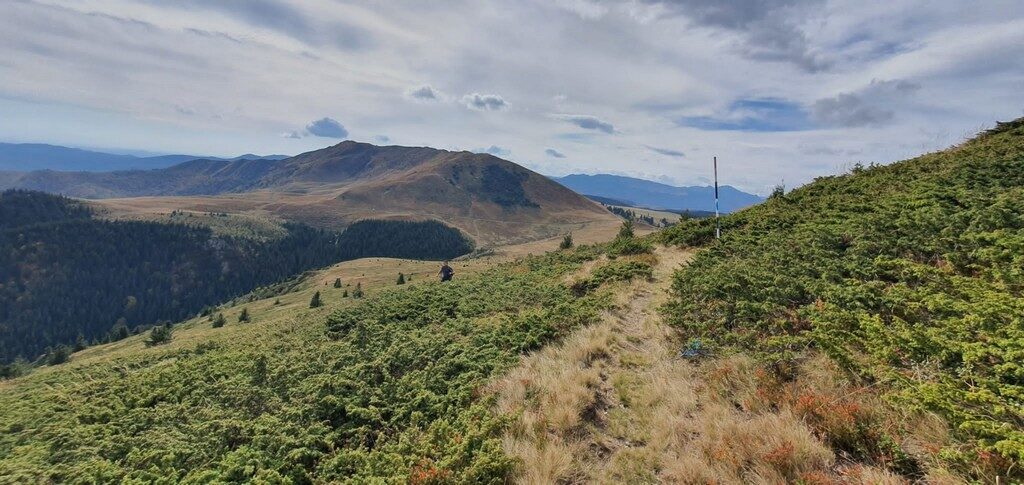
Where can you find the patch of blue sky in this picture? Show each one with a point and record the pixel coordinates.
(765, 114)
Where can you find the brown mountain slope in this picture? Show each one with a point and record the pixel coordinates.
(493, 200)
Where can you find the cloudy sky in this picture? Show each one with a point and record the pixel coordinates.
(781, 91)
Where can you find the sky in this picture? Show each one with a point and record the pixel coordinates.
(780, 91)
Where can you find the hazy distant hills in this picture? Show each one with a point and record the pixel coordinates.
(644, 193)
(492, 199)
(24, 157)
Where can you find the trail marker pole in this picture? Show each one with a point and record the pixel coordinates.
(718, 225)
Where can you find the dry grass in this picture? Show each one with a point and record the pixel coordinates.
(614, 403)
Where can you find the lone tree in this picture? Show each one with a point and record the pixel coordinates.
(358, 292)
(345, 294)
(626, 231)
(401, 279)
(219, 320)
(244, 316)
(566, 242)
(337, 282)
(315, 301)
(161, 334)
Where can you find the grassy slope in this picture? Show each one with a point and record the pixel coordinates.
(284, 399)
(909, 276)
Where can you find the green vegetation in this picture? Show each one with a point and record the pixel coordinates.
(315, 301)
(566, 242)
(401, 279)
(337, 282)
(65, 273)
(389, 390)
(627, 243)
(160, 334)
(244, 316)
(910, 276)
(219, 321)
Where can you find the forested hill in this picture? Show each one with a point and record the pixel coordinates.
(66, 276)
(910, 276)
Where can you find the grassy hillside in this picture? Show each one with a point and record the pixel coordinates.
(385, 388)
(909, 276)
(65, 275)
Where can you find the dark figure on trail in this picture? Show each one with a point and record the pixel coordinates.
(446, 272)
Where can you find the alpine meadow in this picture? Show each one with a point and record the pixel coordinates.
(306, 242)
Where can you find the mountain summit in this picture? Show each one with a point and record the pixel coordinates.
(492, 199)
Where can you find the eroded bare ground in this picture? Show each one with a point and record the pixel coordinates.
(615, 403)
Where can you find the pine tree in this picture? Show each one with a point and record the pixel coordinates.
(219, 321)
(358, 292)
(626, 231)
(345, 294)
(401, 279)
(315, 301)
(160, 334)
(337, 282)
(244, 316)
(59, 355)
(566, 242)
(80, 343)
(120, 330)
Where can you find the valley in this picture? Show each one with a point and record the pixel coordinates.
(807, 345)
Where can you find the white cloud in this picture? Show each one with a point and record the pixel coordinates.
(484, 102)
(186, 76)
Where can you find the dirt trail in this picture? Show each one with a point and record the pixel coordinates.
(581, 412)
(616, 403)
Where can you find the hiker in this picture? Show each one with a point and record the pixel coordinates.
(446, 272)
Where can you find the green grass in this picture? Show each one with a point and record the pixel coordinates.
(380, 389)
(909, 275)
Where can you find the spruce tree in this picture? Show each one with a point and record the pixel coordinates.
(315, 301)
(80, 343)
(219, 321)
(120, 331)
(358, 292)
(626, 231)
(337, 282)
(244, 316)
(160, 334)
(566, 242)
(401, 279)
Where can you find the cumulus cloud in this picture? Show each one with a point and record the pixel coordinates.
(484, 102)
(551, 152)
(588, 122)
(291, 134)
(665, 151)
(871, 106)
(495, 150)
(424, 93)
(327, 128)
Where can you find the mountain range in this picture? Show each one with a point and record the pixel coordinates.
(39, 156)
(491, 199)
(654, 195)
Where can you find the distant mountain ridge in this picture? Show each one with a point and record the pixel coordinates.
(492, 199)
(654, 195)
(25, 157)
